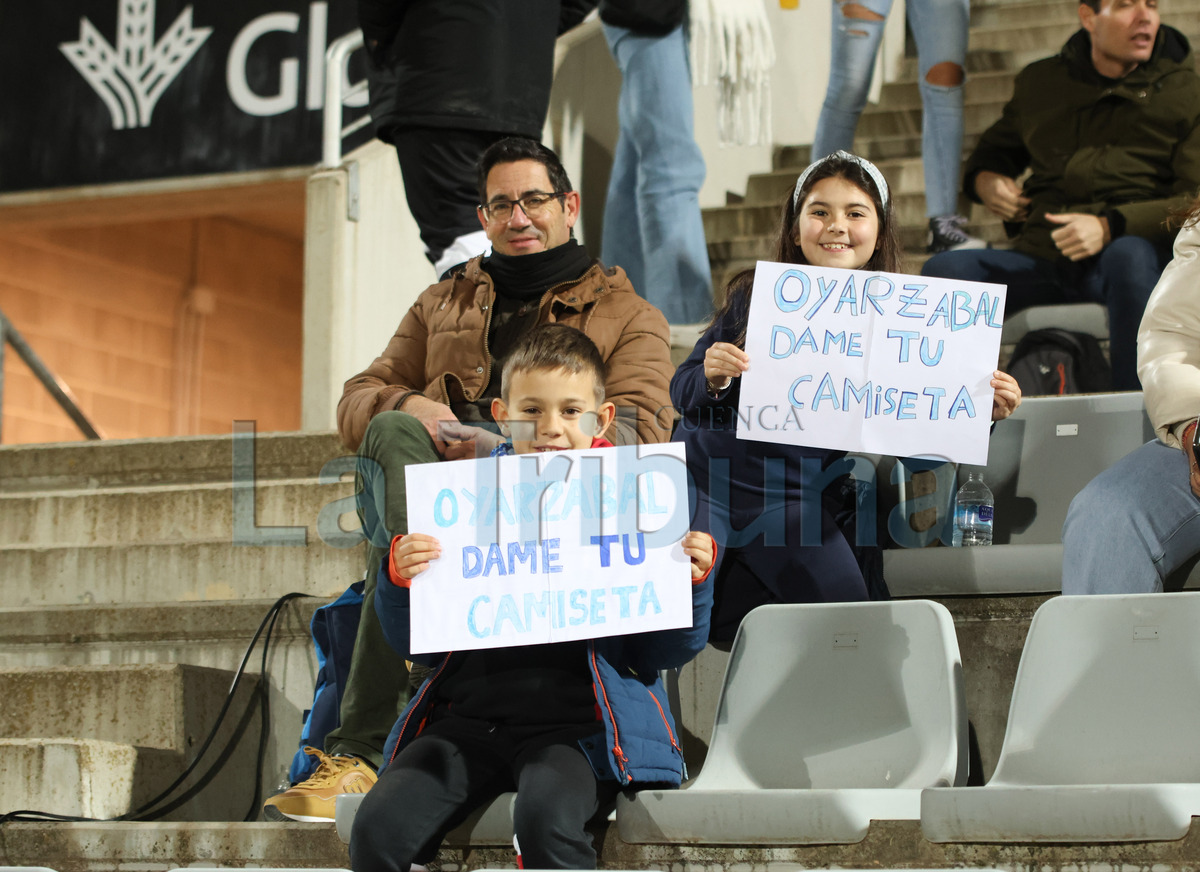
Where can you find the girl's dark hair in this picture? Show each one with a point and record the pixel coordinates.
(887, 256)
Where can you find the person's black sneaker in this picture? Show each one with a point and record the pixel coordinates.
(949, 233)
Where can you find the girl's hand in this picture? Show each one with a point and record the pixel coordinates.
(1007, 396)
(411, 555)
(699, 547)
(723, 362)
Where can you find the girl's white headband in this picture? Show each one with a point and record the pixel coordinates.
(869, 168)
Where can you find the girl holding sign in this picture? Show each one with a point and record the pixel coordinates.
(762, 501)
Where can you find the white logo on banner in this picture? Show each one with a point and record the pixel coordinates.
(132, 77)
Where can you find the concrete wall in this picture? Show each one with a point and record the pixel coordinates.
(159, 327)
(360, 275)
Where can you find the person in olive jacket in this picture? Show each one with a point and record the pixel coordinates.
(1110, 131)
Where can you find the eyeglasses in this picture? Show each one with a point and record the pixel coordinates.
(533, 205)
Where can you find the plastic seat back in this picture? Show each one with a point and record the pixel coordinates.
(840, 695)
(1107, 692)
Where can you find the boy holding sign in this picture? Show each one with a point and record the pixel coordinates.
(566, 725)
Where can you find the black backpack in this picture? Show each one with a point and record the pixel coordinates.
(1056, 361)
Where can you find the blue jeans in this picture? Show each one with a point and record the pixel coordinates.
(1132, 526)
(940, 30)
(1120, 277)
(652, 223)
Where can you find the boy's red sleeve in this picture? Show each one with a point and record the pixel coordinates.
(708, 571)
(393, 573)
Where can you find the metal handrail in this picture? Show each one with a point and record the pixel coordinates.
(337, 58)
(52, 383)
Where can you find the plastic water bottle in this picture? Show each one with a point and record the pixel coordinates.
(974, 508)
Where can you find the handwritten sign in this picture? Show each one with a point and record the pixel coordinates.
(550, 547)
(873, 362)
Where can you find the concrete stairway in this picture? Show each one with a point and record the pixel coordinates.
(141, 723)
(134, 576)
(1005, 36)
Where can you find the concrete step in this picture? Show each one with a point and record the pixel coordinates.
(735, 222)
(882, 121)
(157, 715)
(156, 847)
(83, 777)
(1034, 35)
(977, 61)
(167, 706)
(175, 460)
(205, 569)
(213, 635)
(1019, 13)
(986, 16)
(877, 148)
(745, 248)
(902, 174)
(982, 88)
(109, 847)
(174, 513)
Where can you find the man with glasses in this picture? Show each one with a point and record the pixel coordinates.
(428, 398)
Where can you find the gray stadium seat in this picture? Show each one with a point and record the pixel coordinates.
(1082, 317)
(1101, 738)
(830, 715)
(1038, 460)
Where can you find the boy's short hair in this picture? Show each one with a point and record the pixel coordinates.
(555, 346)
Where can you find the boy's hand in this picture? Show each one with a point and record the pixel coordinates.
(699, 547)
(1007, 395)
(723, 362)
(410, 556)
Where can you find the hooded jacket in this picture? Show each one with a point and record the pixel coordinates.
(1127, 149)
(440, 350)
(641, 743)
(1169, 341)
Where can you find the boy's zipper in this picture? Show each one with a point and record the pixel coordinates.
(666, 723)
(616, 749)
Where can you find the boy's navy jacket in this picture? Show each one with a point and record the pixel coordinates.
(640, 737)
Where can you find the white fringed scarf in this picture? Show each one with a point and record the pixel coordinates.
(731, 46)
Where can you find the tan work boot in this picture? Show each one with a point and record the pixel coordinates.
(313, 801)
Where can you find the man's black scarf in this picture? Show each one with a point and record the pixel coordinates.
(525, 277)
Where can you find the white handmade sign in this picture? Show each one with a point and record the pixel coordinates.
(550, 547)
(872, 362)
